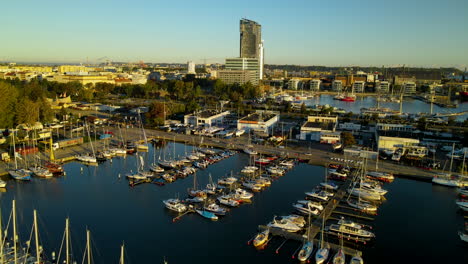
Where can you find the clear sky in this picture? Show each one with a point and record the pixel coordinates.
(306, 32)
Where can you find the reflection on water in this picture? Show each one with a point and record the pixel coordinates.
(417, 223)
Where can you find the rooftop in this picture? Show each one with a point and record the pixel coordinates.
(321, 125)
(207, 113)
(259, 117)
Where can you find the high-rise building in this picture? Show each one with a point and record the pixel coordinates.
(261, 60)
(250, 38)
(191, 67)
(315, 85)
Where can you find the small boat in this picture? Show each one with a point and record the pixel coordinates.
(317, 205)
(118, 151)
(243, 194)
(371, 188)
(216, 209)
(284, 224)
(350, 229)
(365, 194)
(156, 168)
(356, 260)
(446, 181)
(142, 175)
(175, 205)
(227, 181)
(306, 209)
(362, 206)
(262, 161)
(380, 176)
(250, 151)
(86, 158)
(275, 170)
(20, 174)
(329, 185)
(322, 254)
(463, 205)
(348, 99)
(321, 196)
(2, 183)
(337, 146)
(207, 214)
(463, 236)
(254, 186)
(227, 200)
(463, 191)
(295, 219)
(41, 172)
(53, 167)
(305, 251)
(167, 164)
(287, 163)
(195, 200)
(261, 238)
(339, 257)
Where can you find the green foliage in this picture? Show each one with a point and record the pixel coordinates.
(7, 105)
(347, 139)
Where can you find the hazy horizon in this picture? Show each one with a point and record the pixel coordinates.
(333, 33)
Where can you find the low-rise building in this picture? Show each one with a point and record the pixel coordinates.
(359, 86)
(383, 87)
(337, 86)
(410, 88)
(315, 85)
(206, 118)
(320, 128)
(260, 121)
(393, 143)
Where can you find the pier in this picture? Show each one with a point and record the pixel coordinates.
(316, 225)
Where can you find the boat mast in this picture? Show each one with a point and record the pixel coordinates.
(15, 238)
(88, 246)
(451, 158)
(1, 237)
(14, 151)
(36, 238)
(122, 260)
(67, 240)
(91, 142)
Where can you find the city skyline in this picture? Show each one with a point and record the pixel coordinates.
(336, 33)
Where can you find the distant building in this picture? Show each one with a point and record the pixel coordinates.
(250, 39)
(358, 86)
(315, 85)
(237, 76)
(409, 87)
(393, 143)
(293, 84)
(337, 86)
(320, 128)
(260, 121)
(71, 68)
(191, 67)
(206, 118)
(402, 79)
(383, 87)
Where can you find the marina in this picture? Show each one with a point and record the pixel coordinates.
(104, 196)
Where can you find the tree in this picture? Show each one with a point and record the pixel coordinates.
(27, 112)
(347, 139)
(7, 104)
(157, 113)
(303, 108)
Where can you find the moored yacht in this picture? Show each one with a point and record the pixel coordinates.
(284, 224)
(175, 205)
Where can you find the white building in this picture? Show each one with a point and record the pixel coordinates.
(315, 85)
(205, 118)
(393, 143)
(320, 129)
(293, 84)
(337, 86)
(358, 86)
(410, 87)
(191, 67)
(383, 87)
(261, 60)
(395, 127)
(260, 121)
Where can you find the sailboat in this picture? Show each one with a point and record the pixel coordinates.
(193, 192)
(141, 174)
(18, 174)
(122, 254)
(207, 214)
(88, 158)
(324, 249)
(120, 150)
(51, 165)
(249, 148)
(68, 248)
(340, 257)
(142, 147)
(307, 247)
(446, 179)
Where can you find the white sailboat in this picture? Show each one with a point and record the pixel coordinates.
(18, 174)
(307, 247)
(324, 249)
(142, 147)
(88, 158)
(446, 179)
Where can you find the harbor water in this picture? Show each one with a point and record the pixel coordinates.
(410, 105)
(417, 224)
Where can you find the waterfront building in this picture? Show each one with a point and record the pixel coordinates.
(250, 39)
(83, 79)
(320, 128)
(393, 143)
(260, 121)
(383, 87)
(358, 86)
(294, 84)
(191, 67)
(394, 127)
(315, 85)
(206, 118)
(337, 86)
(409, 87)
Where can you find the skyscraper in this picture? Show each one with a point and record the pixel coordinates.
(250, 38)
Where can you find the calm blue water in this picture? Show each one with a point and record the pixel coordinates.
(410, 105)
(418, 223)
